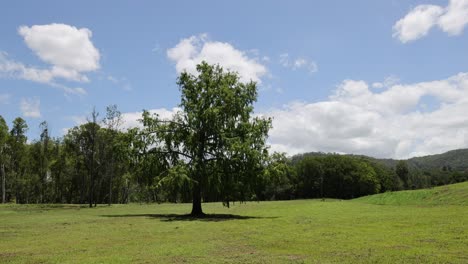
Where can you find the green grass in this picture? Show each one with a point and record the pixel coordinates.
(302, 231)
(454, 194)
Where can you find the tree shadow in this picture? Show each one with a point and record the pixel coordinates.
(188, 217)
(43, 207)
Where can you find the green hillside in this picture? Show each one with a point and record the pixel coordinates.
(454, 159)
(454, 194)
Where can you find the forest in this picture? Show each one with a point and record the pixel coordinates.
(213, 150)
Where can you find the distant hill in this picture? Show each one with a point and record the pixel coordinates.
(455, 160)
(453, 194)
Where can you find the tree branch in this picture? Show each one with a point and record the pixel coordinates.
(170, 152)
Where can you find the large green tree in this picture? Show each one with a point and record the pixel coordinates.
(45, 145)
(18, 158)
(113, 121)
(3, 155)
(402, 171)
(214, 135)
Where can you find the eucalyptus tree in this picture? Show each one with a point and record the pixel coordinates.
(214, 135)
(113, 122)
(17, 148)
(89, 147)
(82, 146)
(45, 144)
(3, 155)
(59, 170)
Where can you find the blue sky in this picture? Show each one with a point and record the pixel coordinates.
(382, 78)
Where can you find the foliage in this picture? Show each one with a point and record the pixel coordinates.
(278, 179)
(214, 134)
(3, 156)
(402, 171)
(336, 176)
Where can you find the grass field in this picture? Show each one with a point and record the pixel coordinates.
(302, 231)
(454, 194)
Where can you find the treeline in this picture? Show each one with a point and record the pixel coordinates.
(98, 162)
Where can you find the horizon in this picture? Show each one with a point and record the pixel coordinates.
(385, 80)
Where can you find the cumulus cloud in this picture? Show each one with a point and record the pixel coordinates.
(191, 51)
(455, 18)
(451, 19)
(17, 70)
(67, 50)
(297, 63)
(417, 22)
(30, 107)
(388, 122)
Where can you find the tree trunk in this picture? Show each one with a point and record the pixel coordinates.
(196, 202)
(200, 168)
(91, 191)
(2, 171)
(110, 181)
(110, 191)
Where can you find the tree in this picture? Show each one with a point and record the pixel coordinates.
(17, 147)
(44, 158)
(310, 175)
(3, 156)
(277, 178)
(113, 120)
(58, 168)
(403, 172)
(90, 141)
(82, 144)
(214, 134)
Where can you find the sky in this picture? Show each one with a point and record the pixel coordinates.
(387, 79)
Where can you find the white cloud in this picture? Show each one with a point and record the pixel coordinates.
(297, 63)
(417, 22)
(66, 47)
(191, 51)
(455, 18)
(30, 107)
(388, 123)
(451, 19)
(17, 70)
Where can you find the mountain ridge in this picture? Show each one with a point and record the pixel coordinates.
(456, 160)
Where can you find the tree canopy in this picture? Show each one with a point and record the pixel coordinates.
(214, 135)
